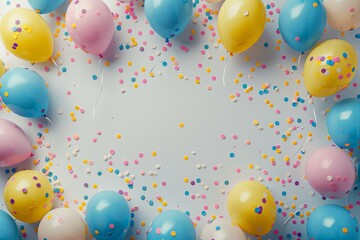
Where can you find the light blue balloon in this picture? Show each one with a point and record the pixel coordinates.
(24, 92)
(169, 222)
(8, 229)
(45, 6)
(168, 18)
(108, 216)
(302, 23)
(343, 124)
(332, 222)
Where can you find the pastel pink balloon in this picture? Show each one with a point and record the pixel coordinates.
(331, 172)
(15, 147)
(90, 24)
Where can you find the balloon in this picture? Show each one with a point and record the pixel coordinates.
(9, 229)
(60, 224)
(332, 222)
(24, 92)
(28, 196)
(221, 229)
(171, 225)
(45, 6)
(302, 23)
(26, 35)
(252, 207)
(330, 67)
(108, 216)
(241, 23)
(330, 172)
(90, 24)
(14, 144)
(168, 18)
(343, 123)
(343, 15)
(2, 68)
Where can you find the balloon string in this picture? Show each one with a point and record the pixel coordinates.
(313, 109)
(291, 217)
(157, 65)
(102, 87)
(56, 65)
(302, 147)
(52, 128)
(226, 64)
(299, 65)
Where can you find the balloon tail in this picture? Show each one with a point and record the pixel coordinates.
(102, 87)
(302, 147)
(52, 128)
(291, 217)
(56, 65)
(152, 69)
(225, 68)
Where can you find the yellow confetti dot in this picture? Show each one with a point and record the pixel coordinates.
(153, 153)
(181, 124)
(294, 197)
(118, 136)
(173, 233)
(96, 232)
(73, 25)
(315, 5)
(95, 186)
(345, 230)
(143, 224)
(154, 185)
(129, 64)
(186, 157)
(251, 166)
(186, 180)
(181, 76)
(6, 94)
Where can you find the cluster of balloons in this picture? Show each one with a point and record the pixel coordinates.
(29, 197)
(331, 65)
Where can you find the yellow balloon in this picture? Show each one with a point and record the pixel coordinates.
(241, 23)
(252, 207)
(26, 35)
(330, 67)
(2, 69)
(28, 196)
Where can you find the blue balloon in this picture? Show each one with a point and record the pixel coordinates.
(108, 216)
(343, 124)
(168, 18)
(171, 225)
(332, 222)
(302, 23)
(8, 229)
(24, 92)
(45, 6)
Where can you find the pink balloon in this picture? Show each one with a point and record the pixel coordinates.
(15, 147)
(90, 24)
(331, 172)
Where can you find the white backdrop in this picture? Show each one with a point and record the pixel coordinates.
(226, 134)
